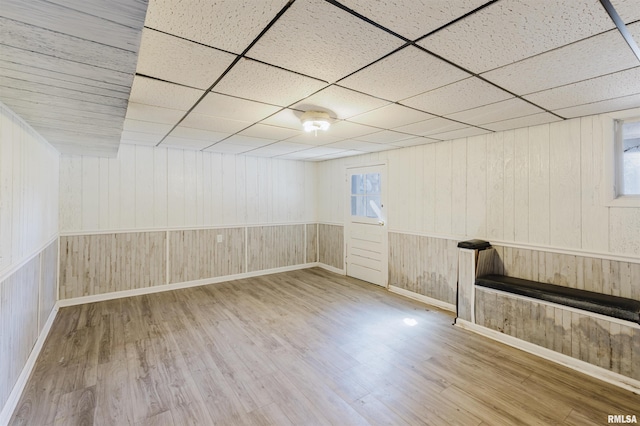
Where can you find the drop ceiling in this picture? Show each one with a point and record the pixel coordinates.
(234, 76)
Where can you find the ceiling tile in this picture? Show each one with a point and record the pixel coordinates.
(248, 141)
(269, 132)
(263, 83)
(616, 104)
(136, 111)
(288, 118)
(346, 130)
(197, 134)
(185, 143)
(420, 140)
(278, 148)
(499, 111)
(159, 93)
(629, 10)
(311, 153)
(602, 54)
(340, 102)
(218, 105)
(344, 153)
(140, 138)
(385, 136)
(359, 146)
(459, 96)
(177, 60)
(146, 127)
(460, 133)
(529, 120)
(390, 116)
(228, 148)
(415, 18)
(226, 24)
(429, 127)
(610, 86)
(404, 74)
(510, 30)
(318, 39)
(215, 124)
(322, 138)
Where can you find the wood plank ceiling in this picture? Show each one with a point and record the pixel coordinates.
(234, 76)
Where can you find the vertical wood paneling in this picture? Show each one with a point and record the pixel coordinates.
(495, 186)
(190, 188)
(175, 188)
(114, 195)
(253, 190)
(539, 184)
(160, 207)
(603, 343)
(565, 184)
(6, 187)
(228, 189)
(312, 243)
(127, 158)
(144, 183)
(104, 263)
(216, 185)
(90, 208)
(459, 187)
(197, 254)
(521, 185)
(444, 188)
(48, 291)
(509, 138)
(271, 247)
(427, 200)
(477, 186)
(331, 245)
(103, 188)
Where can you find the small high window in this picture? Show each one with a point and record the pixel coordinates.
(628, 157)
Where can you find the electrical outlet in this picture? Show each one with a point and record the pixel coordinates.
(219, 238)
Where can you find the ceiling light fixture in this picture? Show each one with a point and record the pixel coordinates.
(312, 121)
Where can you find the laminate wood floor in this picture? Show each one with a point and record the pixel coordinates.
(298, 348)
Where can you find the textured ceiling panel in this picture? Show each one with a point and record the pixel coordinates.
(415, 18)
(185, 143)
(359, 146)
(248, 141)
(529, 120)
(567, 64)
(226, 24)
(263, 83)
(154, 114)
(288, 118)
(466, 94)
(161, 94)
(218, 105)
(228, 148)
(197, 134)
(391, 116)
(504, 110)
(459, 133)
(269, 132)
(429, 127)
(173, 59)
(385, 136)
(616, 104)
(340, 102)
(610, 86)
(217, 124)
(629, 10)
(420, 140)
(328, 48)
(406, 73)
(511, 30)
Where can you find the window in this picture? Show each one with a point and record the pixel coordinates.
(628, 157)
(365, 195)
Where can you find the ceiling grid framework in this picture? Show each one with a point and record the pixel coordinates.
(235, 76)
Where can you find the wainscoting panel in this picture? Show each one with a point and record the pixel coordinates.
(424, 265)
(197, 254)
(104, 263)
(271, 247)
(18, 322)
(331, 245)
(312, 243)
(606, 344)
(48, 282)
(612, 277)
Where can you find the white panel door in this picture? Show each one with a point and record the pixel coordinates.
(366, 227)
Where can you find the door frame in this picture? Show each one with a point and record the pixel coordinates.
(383, 165)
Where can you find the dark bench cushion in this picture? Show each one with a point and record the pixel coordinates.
(613, 306)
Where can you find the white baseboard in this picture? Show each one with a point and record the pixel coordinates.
(422, 298)
(332, 269)
(168, 287)
(583, 367)
(18, 388)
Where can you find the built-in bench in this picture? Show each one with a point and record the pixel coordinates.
(612, 306)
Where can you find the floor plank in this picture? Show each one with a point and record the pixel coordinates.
(301, 347)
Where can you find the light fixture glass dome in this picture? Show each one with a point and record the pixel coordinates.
(315, 120)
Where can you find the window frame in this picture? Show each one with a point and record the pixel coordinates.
(613, 157)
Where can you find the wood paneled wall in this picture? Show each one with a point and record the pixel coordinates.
(275, 246)
(312, 243)
(105, 263)
(612, 277)
(28, 244)
(331, 245)
(158, 188)
(424, 265)
(538, 185)
(603, 343)
(196, 254)
(28, 191)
